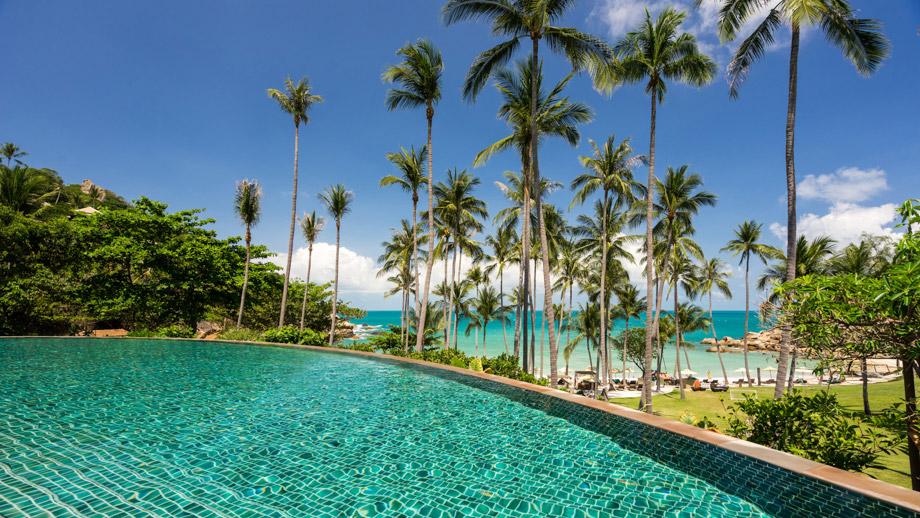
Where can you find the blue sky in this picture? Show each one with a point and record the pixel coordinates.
(167, 99)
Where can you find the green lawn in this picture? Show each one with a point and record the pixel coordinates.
(714, 406)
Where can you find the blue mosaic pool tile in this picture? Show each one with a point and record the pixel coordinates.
(153, 428)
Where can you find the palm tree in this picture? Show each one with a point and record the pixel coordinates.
(487, 308)
(610, 170)
(411, 165)
(745, 244)
(862, 43)
(870, 256)
(713, 274)
(587, 326)
(419, 80)
(679, 200)
(11, 152)
(516, 20)
(295, 100)
(461, 212)
(338, 203)
(247, 205)
(655, 53)
(630, 306)
(555, 116)
(311, 225)
(22, 188)
(682, 276)
(598, 242)
(502, 244)
(397, 260)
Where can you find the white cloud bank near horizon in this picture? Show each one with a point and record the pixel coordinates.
(846, 219)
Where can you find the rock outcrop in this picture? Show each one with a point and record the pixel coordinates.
(768, 340)
(207, 330)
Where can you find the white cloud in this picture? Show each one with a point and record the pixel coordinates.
(357, 273)
(622, 16)
(847, 185)
(845, 222)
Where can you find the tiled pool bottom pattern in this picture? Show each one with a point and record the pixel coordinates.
(181, 428)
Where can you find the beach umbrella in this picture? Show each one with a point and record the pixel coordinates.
(769, 369)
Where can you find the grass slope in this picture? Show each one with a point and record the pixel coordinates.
(715, 405)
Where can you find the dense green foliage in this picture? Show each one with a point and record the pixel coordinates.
(815, 427)
(138, 267)
(293, 335)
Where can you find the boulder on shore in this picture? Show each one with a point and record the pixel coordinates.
(768, 340)
(207, 330)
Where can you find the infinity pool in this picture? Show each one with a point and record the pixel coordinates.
(167, 428)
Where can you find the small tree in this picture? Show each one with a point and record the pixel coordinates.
(855, 315)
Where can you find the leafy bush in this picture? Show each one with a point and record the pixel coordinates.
(242, 334)
(290, 334)
(815, 427)
(311, 337)
(507, 365)
(285, 335)
(389, 341)
(170, 331)
(476, 365)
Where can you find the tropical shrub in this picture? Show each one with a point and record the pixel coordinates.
(311, 337)
(288, 335)
(389, 341)
(815, 427)
(291, 334)
(241, 333)
(169, 331)
(476, 365)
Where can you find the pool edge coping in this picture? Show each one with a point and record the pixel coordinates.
(855, 482)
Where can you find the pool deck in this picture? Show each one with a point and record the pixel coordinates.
(855, 482)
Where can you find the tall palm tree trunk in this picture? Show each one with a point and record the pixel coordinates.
(603, 297)
(533, 321)
(747, 314)
(649, 267)
(239, 316)
(525, 267)
(290, 250)
(712, 326)
(450, 295)
(548, 310)
(457, 302)
(415, 250)
(568, 321)
(444, 306)
(303, 305)
(429, 264)
(680, 377)
(335, 289)
(786, 331)
(518, 306)
(625, 336)
(501, 302)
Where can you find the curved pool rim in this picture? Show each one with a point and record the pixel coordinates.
(897, 496)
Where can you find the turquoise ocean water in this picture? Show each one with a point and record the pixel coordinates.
(727, 323)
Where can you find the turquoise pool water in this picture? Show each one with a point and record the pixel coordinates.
(168, 428)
